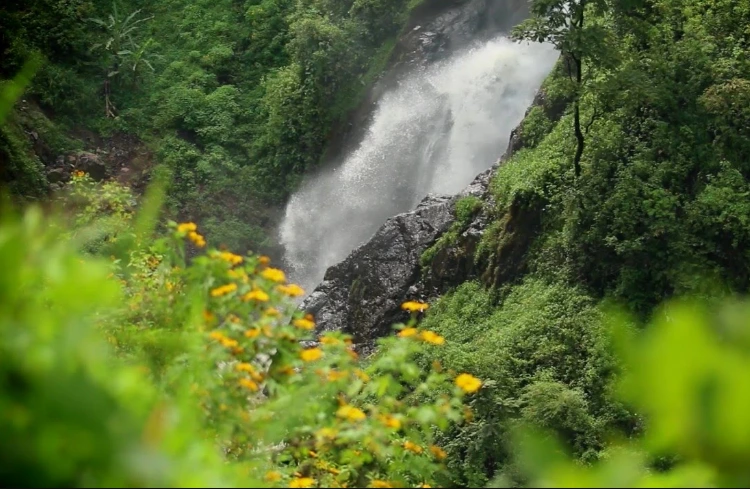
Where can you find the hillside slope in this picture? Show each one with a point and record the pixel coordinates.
(236, 99)
(658, 210)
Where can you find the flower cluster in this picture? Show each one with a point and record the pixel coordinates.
(190, 230)
(283, 383)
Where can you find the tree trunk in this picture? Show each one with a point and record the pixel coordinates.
(578, 66)
(579, 137)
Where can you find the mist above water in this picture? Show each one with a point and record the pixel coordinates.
(433, 133)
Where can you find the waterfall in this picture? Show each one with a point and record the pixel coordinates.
(433, 133)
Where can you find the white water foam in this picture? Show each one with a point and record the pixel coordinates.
(432, 134)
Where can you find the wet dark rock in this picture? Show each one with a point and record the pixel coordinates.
(362, 295)
(454, 264)
(440, 27)
(436, 29)
(57, 175)
(93, 165)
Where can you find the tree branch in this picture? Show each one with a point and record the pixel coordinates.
(594, 116)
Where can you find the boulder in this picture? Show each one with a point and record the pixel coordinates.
(93, 165)
(57, 175)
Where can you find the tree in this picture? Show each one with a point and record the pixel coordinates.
(563, 24)
(121, 48)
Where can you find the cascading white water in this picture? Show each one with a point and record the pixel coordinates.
(432, 134)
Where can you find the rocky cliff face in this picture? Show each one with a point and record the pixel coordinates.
(362, 294)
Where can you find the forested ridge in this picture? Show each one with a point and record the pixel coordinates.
(595, 335)
(235, 98)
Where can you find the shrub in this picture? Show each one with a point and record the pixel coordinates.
(205, 356)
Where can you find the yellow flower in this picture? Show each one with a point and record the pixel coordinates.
(197, 239)
(79, 173)
(252, 333)
(328, 433)
(351, 413)
(407, 332)
(311, 354)
(292, 290)
(304, 324)
(438, 452)
(433, 338)
(329, 340)
(230, 257)
(362, 376)
(272, 311)
(233, 319)
(286, 370)
(223, 290)
(249, 384)
(217, 335)
(302, 482)
(255, 295)
(391, 422)
(424, 485)
(413, 306)
(334, 375)
(170, 286)
(274, 275)
(412, 447)
(273, 476)
(229, 343)
(379, 483)
(264, 260)
(245, 367)
(187, 227)
(468, 383)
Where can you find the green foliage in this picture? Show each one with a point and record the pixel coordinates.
(238, 98)
(535, 126)
(124, 56)
(21, 168)
(72, 414)
(544, 355)
(643, 220)
(694, 405)
(18, 166)
(101, 213)
(658, 209)
(465, 209)
(240, 105)
(200, 358)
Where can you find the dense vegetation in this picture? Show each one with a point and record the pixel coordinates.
(634, 193)
(237, 98)
(631, 189)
